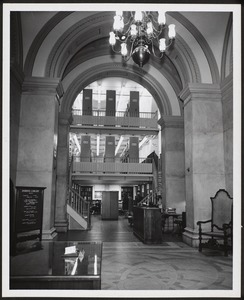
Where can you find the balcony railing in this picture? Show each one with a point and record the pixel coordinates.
(117, 119)
(103, 166)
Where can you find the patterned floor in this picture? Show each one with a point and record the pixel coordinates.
(171, 266)
(129, 265)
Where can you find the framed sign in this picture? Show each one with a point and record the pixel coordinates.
(29, 209)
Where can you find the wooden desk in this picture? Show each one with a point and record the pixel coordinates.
(147, 224)
(49, 268)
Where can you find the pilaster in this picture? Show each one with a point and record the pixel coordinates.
(204, 152)
(61, 220)
(37, 143)
(172, 145)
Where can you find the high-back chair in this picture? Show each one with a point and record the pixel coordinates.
(220, 224)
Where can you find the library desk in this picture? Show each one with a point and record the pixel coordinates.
(44, 265)
(147, 224)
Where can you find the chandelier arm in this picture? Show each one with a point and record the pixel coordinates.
(129, 21)
(129, 56)
(128, 29)
(161, 55)
(150, 15)
(170, 42)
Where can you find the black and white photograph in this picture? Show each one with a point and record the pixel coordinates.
(121, 141)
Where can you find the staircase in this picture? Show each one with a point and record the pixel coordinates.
(78, 211)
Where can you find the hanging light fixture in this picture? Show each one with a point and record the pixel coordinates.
(139, 35)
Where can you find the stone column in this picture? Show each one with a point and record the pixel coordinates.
(204, 153)
(16, 81)
(227, 101)
(173, 155)
(37, 143)
(61, 221)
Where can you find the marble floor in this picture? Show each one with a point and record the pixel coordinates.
(128, 264)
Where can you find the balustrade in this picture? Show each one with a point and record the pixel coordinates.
(99, 165)
(117, 119)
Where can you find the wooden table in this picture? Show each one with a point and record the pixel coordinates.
(45, 266)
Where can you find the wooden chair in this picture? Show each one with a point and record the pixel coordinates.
(220, 222)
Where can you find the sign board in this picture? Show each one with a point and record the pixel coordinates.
(29, 209)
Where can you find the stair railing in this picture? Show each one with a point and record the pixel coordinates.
(80, 205)
(146, 200)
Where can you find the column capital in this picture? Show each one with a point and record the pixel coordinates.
(171, 122)
(40, 86)
(200, 91)
(65, 118)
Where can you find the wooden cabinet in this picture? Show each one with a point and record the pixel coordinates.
(147, 224)
(110, 207)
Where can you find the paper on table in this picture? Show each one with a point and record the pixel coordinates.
(70, 250)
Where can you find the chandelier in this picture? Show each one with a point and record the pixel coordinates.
(139, 34)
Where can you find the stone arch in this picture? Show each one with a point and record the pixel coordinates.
(80, 35)
(77, 36)
(64, 49)
(225, 58)
(116, 70)
(202, 42)
(36, 44)
(166, 67)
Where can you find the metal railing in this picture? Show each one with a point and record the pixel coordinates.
(140, 160)
(146, 120)
(104, 113)
(150, 198)
(114, 166)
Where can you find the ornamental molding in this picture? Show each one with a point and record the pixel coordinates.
(201, 92)
(227, 40)
(65, 119)
(117, 70)
(39, 39)
(40, 86)
(171, 122)
(201, 41)
(74, 38)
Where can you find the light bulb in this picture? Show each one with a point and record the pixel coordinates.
(133, 30)
(119, 13)
(161, 18)
(124, 49)
(112, 39)
(162, 45)
(171, 31)
(138, 16)
(149, 28)
(118, 23)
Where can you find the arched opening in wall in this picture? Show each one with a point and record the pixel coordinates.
(115, 143)
(109, 103)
